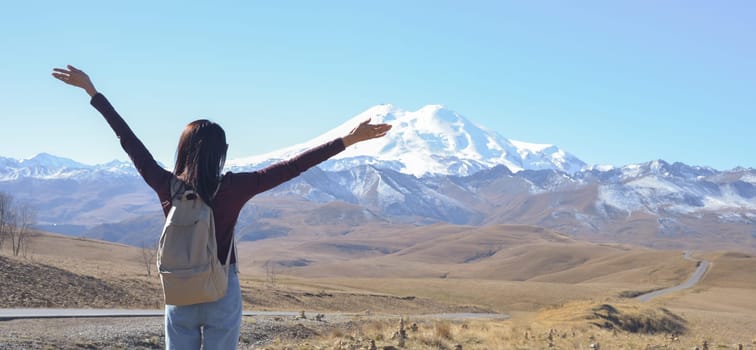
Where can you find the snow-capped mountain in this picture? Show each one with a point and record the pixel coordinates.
(47, 166)
(431, 140)
(661, 187)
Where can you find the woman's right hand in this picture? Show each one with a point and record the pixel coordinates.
(365, 131)
(75, 77)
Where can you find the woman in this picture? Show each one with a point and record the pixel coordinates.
(200, 157)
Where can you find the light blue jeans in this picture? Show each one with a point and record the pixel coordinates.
(215, 325)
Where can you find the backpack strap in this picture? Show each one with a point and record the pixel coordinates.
(176, 187)
(231, 247)
(236, 253)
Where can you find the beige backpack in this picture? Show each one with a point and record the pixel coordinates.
(188, 254)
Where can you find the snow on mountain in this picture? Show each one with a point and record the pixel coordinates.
(46, 160)
(117, 167)
(431, 140)
(748, 178)
(398, 196)
(658, 186)
(47, 166)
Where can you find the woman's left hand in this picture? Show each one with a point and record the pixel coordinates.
(76, 77)
(365, 131)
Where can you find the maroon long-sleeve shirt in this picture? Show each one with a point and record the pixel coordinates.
(235, 188)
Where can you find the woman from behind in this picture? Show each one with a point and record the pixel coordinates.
(200, 158)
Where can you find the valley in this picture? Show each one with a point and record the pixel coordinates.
(543, 279)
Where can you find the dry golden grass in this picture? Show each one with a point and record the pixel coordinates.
(420, 334)
(502, 296)
(624, 316)
(487, 335)
(557, 268)
(87, 256)
(121, 266)
(729, 286)
(296, 295)
(731, 270)
(29, 283)
(569, 326)
(502, 252)
(561, 282)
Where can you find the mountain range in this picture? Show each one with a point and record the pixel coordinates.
(435, 166)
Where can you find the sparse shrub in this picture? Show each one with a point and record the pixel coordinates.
(629, 294)
(645, 322)
(148, 254)
(433, 342)
(443, 330)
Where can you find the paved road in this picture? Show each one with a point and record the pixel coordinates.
(11, 314)
(695, 278)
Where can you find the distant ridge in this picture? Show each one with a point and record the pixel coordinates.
(434, 167)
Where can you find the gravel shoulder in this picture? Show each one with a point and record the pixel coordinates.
(145, 333)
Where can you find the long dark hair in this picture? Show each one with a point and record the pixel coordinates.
(200, 156)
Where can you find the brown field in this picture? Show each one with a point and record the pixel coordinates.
(560, 292)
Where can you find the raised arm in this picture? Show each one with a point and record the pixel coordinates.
(151, 171)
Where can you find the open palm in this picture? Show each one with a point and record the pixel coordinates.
(366, 131)
(76, 77)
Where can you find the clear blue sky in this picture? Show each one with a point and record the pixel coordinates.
(613, 82)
